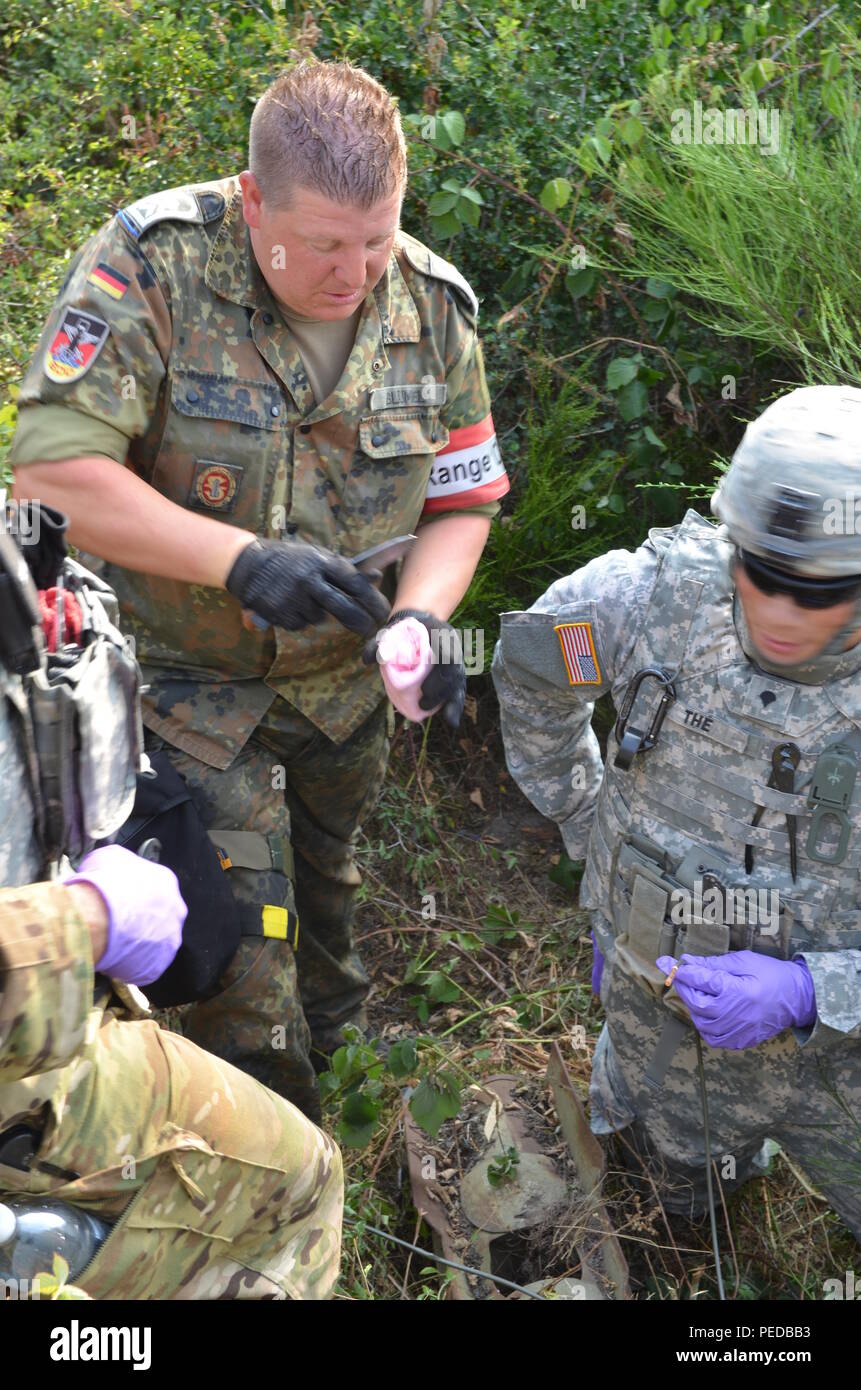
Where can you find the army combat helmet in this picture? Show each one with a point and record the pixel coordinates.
(792, 497)
(792, 494)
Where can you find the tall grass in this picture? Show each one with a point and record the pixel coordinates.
(764, 245)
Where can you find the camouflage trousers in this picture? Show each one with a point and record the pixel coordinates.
(218, 1188)
(807, 1100)
(275, 1014)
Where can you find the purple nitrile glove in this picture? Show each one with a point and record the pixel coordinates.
(597, 966)
(743, 998)
(145, 913)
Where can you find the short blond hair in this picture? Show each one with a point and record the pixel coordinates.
(330, 127)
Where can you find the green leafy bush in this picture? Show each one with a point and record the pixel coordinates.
(609, 391)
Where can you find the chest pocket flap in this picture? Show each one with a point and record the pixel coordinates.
(399, 433)
(205, 395)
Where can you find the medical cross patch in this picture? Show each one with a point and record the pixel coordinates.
(578, 653)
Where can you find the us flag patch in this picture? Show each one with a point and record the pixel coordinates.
(578, 653)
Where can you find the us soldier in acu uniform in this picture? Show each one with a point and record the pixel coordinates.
(724, 830)
(242, 383)
(216, 1188)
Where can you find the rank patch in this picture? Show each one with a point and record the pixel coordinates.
(578, 653)
(111, 281)
(75, 345)
(215, 485)
(178, 204)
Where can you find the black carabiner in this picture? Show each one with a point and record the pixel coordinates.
(633, 741)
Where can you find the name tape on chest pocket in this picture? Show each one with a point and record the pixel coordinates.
(709, 724)
(421, 393)
(215, 485)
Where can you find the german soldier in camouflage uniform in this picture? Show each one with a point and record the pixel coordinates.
(724, 830)
(217, 1188)
(242, 384)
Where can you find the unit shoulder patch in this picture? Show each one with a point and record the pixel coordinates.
(427, 262)
(79, 339)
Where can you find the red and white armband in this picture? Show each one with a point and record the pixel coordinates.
(468, 471)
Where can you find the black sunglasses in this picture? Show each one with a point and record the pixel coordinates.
(807, 593)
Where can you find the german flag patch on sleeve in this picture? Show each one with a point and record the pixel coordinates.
(106, 278)
(578, 653)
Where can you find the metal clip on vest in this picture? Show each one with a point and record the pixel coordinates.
(784, 764)
(632, 740)
(830, 795)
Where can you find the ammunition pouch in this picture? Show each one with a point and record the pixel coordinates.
(696, 906)
(165, 811)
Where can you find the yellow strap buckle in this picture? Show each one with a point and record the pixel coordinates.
(276, 922)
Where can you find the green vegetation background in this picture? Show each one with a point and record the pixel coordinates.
(524, 120)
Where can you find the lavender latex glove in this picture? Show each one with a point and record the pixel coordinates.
(145, 913)
(743, 998)
(597, 966)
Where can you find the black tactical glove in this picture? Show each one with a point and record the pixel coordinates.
(293, 585)
(445, 682)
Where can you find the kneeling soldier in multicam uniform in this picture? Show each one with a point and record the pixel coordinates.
(724, 829)
(217, 1187)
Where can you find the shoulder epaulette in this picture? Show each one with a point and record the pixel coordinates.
(170, 204)
(427, 262)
